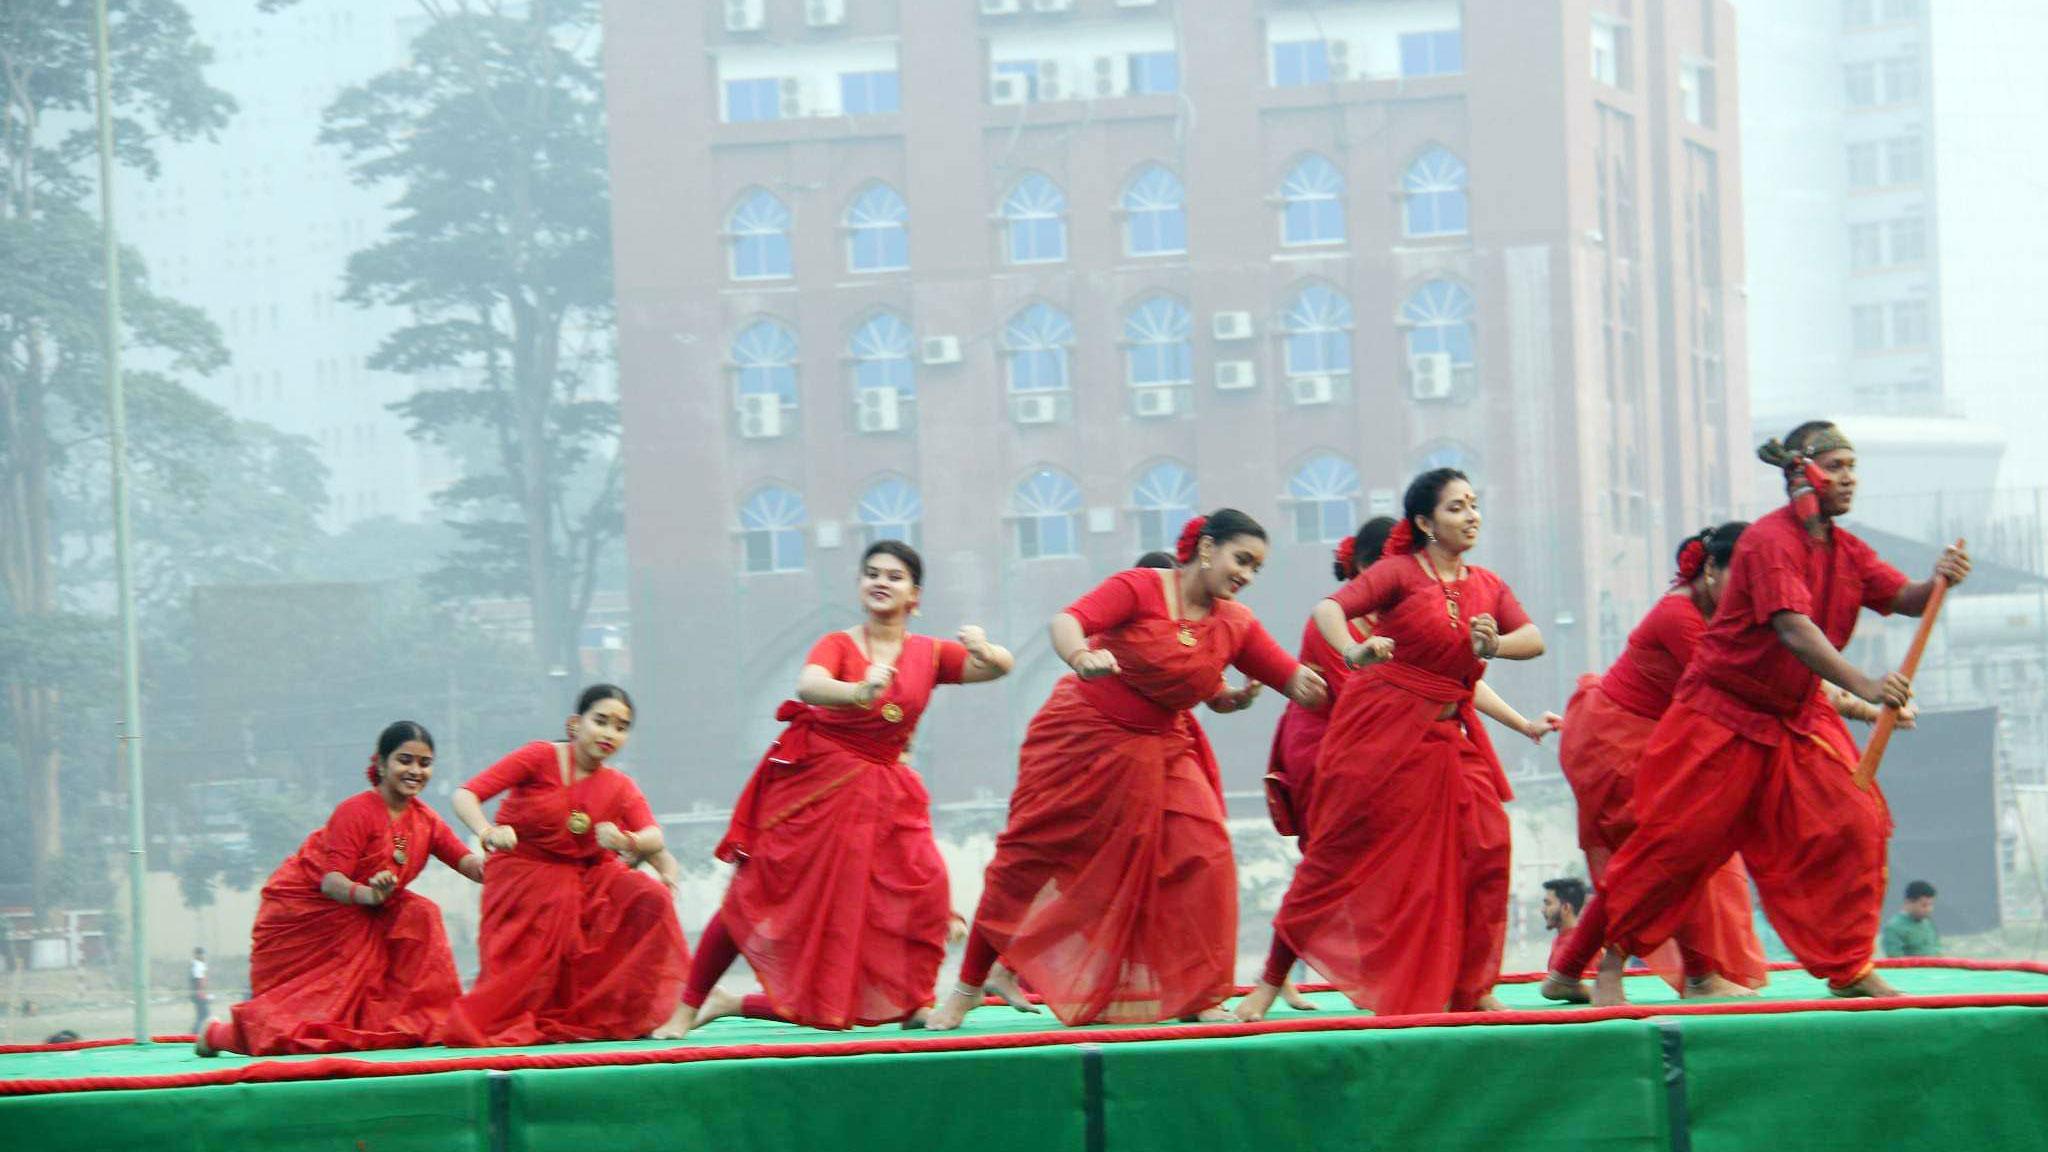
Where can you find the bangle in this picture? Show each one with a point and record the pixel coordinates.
(352, 892)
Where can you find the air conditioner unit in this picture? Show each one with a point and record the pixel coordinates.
(1429, 376)
(761, 416)
(1052, 5)
(1111, 78)
(1137, 3)
(1311, 389)
(824, 13)
(1338, 53)
(744, 15)
(1029, 409)
(878, 410)
(1049, 80)
(1231, 325)
(942, 349)
(793, 103)
(999, 7)
(1009, 88)
(1233, 375)
(1154, 401)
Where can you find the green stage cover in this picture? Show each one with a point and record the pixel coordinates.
(1937, 1077)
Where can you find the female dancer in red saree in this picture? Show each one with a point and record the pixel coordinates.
(575, 945)
(1401, 894)
(1113, 893)
(1608, 722)
(839, 901)
(343, 958)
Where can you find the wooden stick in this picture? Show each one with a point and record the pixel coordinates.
(1888, 719)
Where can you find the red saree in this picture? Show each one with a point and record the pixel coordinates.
(332, 977)
(1113, 893)
(840, 901)
(1298, 739)
(575, 945)
(1400, 899)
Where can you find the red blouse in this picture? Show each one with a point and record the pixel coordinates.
(1643, 678)
(1410, 607)
(1127, 616)
(1742, 675)
(360, 840)
(540, 805)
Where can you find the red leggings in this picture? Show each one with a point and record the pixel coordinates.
(716, 950)
(980, 958)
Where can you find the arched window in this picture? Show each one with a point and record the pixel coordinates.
(1438, 316)
(1433, 196)
(1155, 214)
(890, 509)
(1165, 499)
(877, 231)
(1318, 326)
(881, 349)
(1046, 508)
(1035, 345)
(1324, 494)
(758, 231)
(765, 355)
(1448, 454)
(1035, 217)
(1312, 203)
(772, 531)
(1156, 348)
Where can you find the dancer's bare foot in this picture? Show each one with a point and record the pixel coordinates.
(1607, 991)
(1871, 985)
(915, 1022)
(1257, 1003)
(1713, 987)
(1488, 1003)
(202, 1044)
(953, 1009)
(1293, 998)
(1556, 987)
(1215, 1015)
(678, 1024)
(1003, 983)
(719, 1003)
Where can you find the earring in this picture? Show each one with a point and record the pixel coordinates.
(1205, 563)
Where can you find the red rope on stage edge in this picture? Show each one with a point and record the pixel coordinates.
(341, 1067)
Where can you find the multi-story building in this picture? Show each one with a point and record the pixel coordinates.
(256, 227)
(1029, 282)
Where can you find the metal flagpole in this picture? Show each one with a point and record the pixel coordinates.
(117, 415)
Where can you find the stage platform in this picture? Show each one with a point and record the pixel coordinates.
(1959, 1065)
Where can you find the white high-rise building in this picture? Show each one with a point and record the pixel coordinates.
(257, 226)
(1897, 254)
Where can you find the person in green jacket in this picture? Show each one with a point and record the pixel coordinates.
(1911, 932)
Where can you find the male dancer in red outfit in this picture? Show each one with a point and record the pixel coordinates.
(1753, 758)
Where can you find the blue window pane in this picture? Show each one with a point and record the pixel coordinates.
(869, 93)
(1298, 62)
(1155, 72)
(1028, 69)
(1432, 53)
(756, 257)
(1037, 240)
(749, 100)
(1451, 213)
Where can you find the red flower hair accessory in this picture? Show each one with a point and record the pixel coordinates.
(1401, 541)
(1692, 560)
(1190, 539)
(1347, 554)
(376, 777)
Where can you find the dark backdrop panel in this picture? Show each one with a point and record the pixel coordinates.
(1938, 779)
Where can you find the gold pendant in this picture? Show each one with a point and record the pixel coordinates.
(1187, 636)
(579, 823)
(892, 713)
(398, 857)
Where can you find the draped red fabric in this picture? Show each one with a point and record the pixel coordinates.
(333, 977)
(1601, 747)
(1400, 899)
(840, 900)
(575, 945)
(1298, 738)
(1113, 892)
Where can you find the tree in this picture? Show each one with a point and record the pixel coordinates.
(52, 411)
(494, 133)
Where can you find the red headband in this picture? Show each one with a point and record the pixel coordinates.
(1190, 539)
(1347, 554)
(1401, 541)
